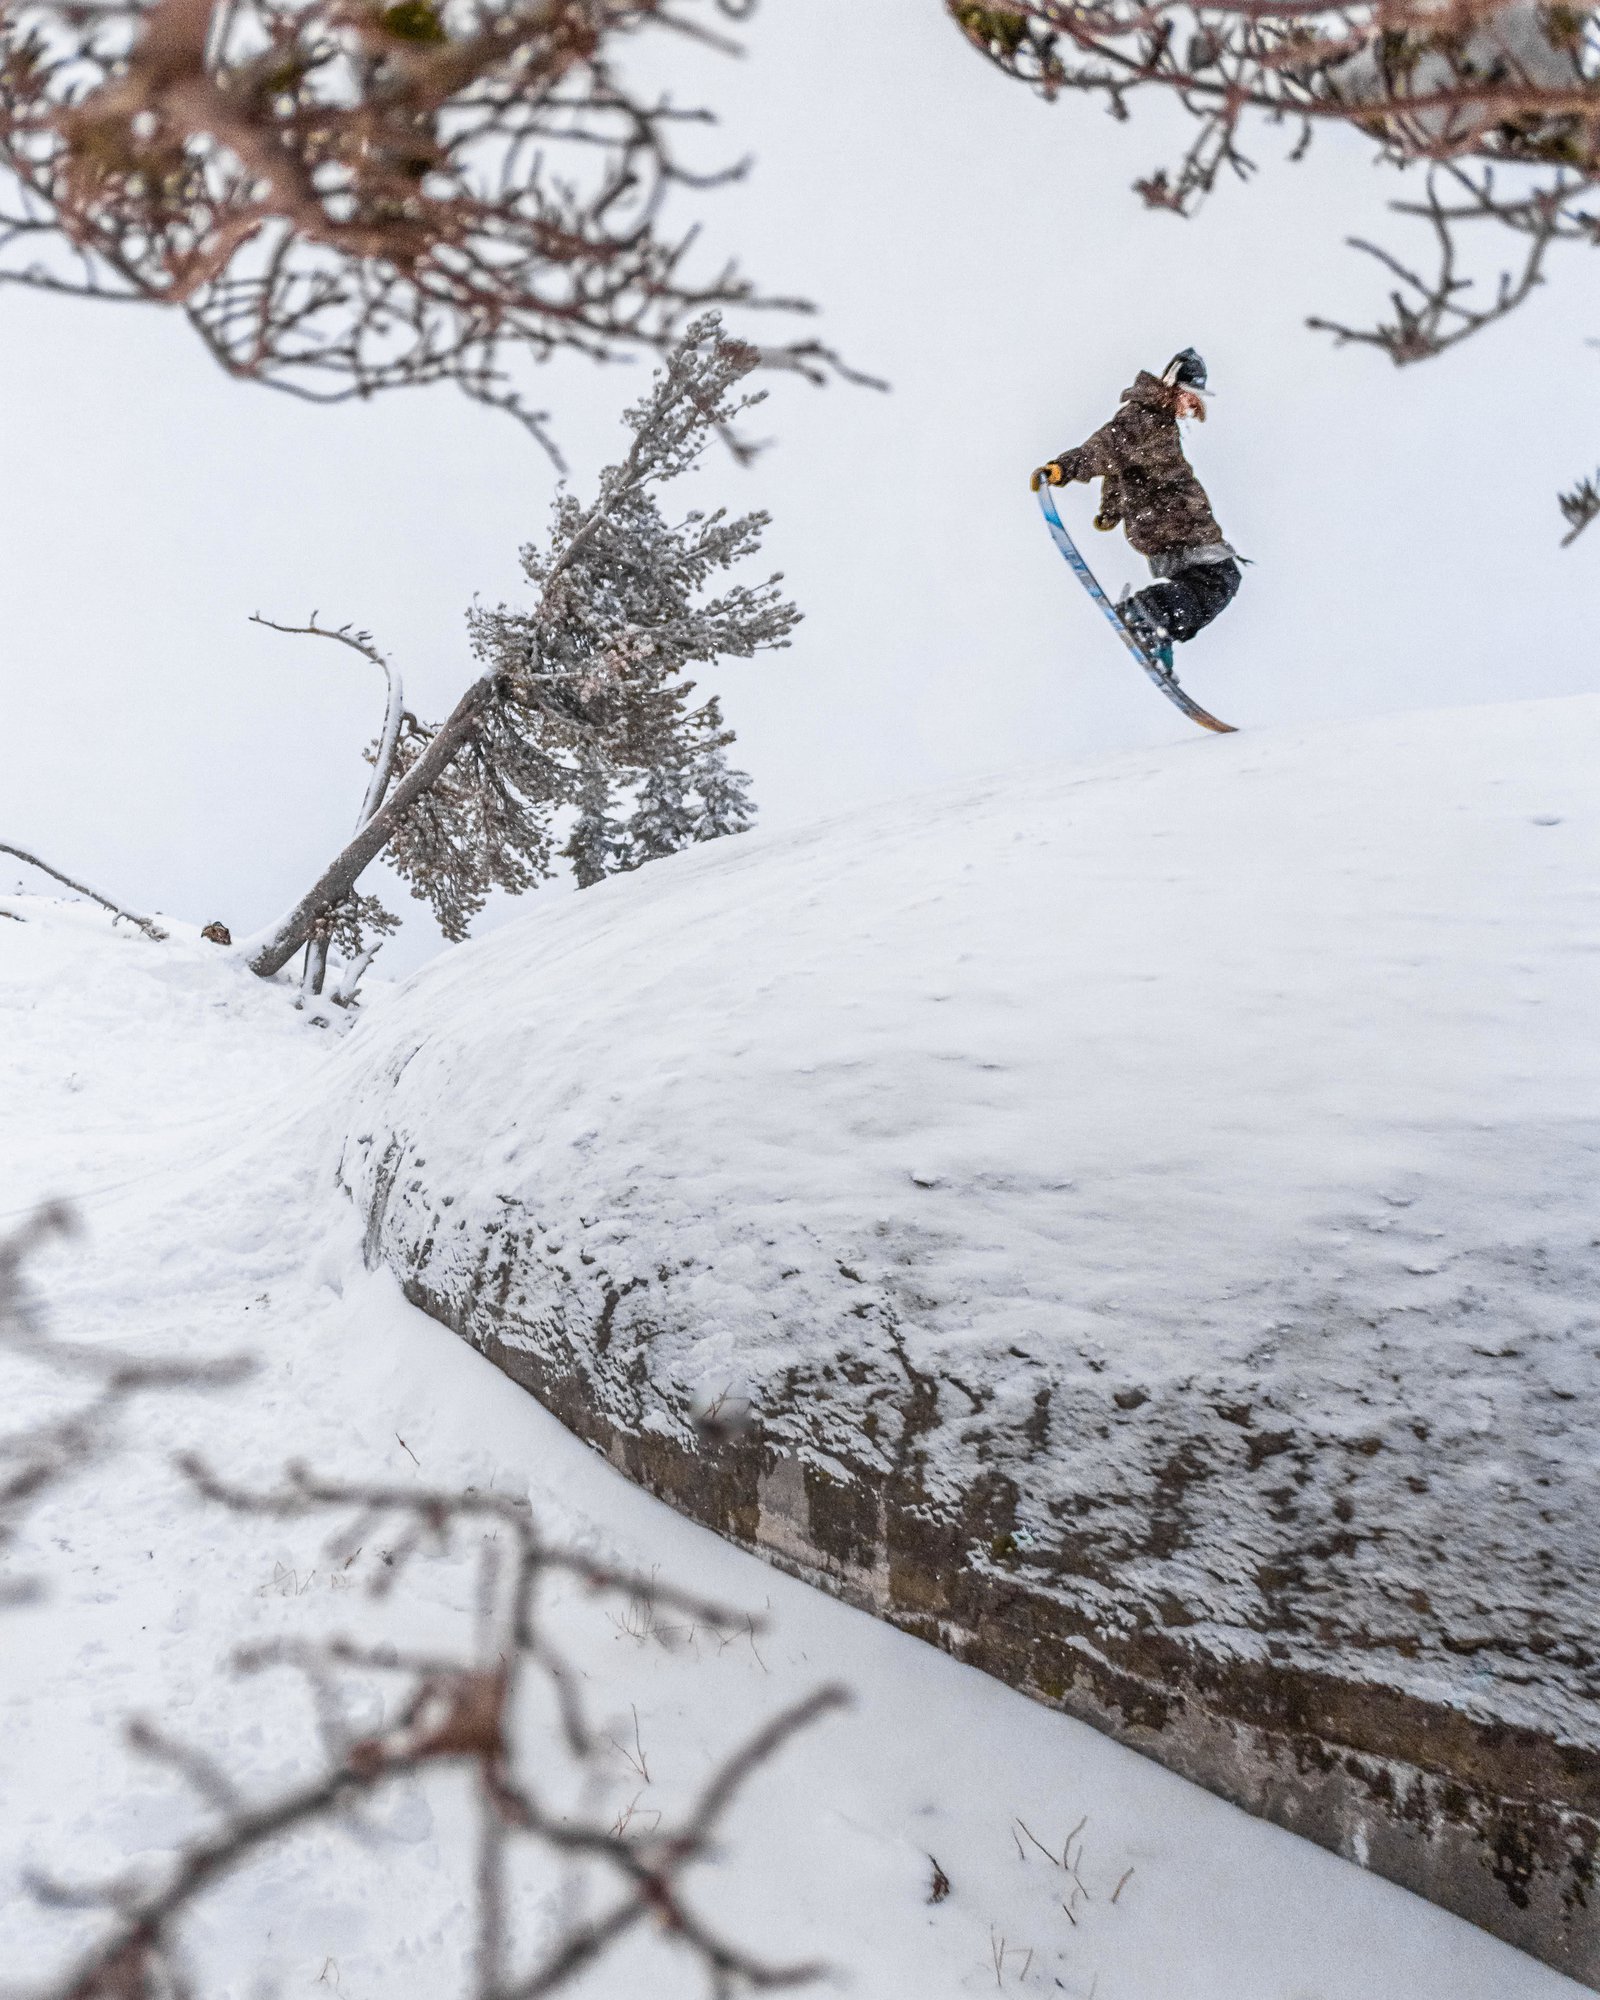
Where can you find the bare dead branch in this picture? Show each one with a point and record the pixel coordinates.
(382, 754)
(1580, 507)
(150, 928)
(203, 1774)
(1493, 80)
(1434, 312)
(304, 1494)
(450, 1711)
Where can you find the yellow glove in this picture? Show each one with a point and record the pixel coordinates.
(1046, 475)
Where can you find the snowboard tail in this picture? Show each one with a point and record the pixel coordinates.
(1166, 681)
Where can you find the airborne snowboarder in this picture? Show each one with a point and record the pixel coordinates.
(1150, 487)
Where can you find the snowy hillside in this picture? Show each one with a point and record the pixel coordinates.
(1147, 1213)
(189, 1110)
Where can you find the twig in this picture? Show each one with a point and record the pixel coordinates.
(1433, 314)
(1054, 1860)
(635, 1756)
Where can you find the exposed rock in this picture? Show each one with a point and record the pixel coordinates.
(1135, 1229)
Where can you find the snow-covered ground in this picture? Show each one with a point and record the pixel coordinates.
(1234, 1108)
(195, 1117)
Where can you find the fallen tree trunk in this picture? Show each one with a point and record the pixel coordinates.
(270, 950)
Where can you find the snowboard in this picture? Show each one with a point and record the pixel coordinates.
(1163, 677)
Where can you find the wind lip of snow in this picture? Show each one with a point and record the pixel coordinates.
(1121, 1063)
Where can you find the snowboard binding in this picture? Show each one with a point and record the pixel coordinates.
(1155, 641)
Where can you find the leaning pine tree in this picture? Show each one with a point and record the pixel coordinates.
(582, 700)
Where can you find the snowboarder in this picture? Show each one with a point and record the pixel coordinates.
(1150, 487)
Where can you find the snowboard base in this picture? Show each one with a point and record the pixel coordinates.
(1164, 678)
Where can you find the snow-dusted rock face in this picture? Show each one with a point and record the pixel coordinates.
(1149, 1217)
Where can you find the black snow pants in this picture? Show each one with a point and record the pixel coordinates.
(1188, 602)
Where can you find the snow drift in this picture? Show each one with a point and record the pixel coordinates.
(1134, 1226)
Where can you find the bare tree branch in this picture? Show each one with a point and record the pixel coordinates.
(352, 917)
(40, 1456)
(394, 707)
(1433, 313)
(455, 1711)
(1580, 507)
(150, 928)
(1497, 100)
(345, 198)
(1494, 80)
(449, 1712)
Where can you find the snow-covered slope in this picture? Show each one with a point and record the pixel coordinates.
(1149, 1211)
(189, 1110)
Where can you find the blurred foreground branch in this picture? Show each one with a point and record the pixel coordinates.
(455, 1712)
(1496, 103)
(345, 196)
(92, 1385)
(477, 1711)
(1580, 506)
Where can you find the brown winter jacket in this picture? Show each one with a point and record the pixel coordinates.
(1149, 485)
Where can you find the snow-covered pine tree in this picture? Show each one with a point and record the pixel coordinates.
(693, 796)
(598, 838)
(725, 804)
(663, 815)
(586, 686)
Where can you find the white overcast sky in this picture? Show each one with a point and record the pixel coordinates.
(980, 249)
